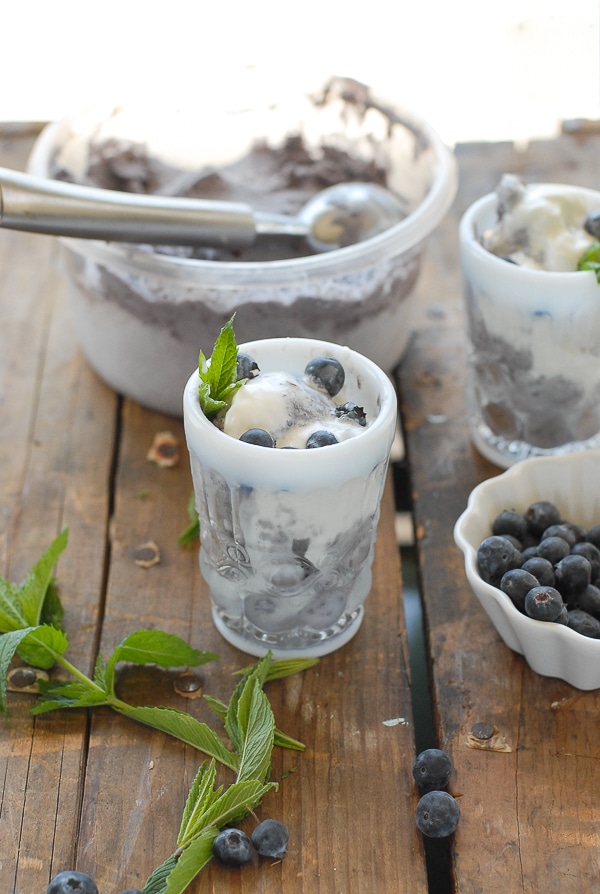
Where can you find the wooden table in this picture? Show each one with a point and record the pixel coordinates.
(99, 793)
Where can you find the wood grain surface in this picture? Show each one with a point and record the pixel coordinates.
(99, 793)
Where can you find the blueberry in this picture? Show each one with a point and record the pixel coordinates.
(592, 554)
(592, 224)
(584, 623)
(432, 769)
(563, 530)
(589, 600)
(573, 574)
(270, 838)
(437, 814)
(593, 535)
(327, 373)
(543, 603)
(541, 515)
(258, 436)
(514, 540)
(540, 568)
(321, 439)
(247, 367)
(554, 549)
(495, 556)
(511, 522)
(530, 552)
(232, 847)
(71, 882)
(352, 411)
(517, 583)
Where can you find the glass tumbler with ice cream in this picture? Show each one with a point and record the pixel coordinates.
(288, 480)
(529, 257)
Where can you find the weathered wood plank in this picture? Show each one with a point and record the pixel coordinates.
(330, 795)
(530, 815)
(56, 443)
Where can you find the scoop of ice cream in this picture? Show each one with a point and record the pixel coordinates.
(538, 227)
(286, 406)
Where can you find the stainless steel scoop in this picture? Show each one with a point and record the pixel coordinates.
(340, 215)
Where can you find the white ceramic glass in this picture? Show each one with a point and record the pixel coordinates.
(287, 536)
(533, 379)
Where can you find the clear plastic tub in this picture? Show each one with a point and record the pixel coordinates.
(142, 316)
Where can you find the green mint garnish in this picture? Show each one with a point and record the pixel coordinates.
(591, 260)
(218, 375)
(30, 624)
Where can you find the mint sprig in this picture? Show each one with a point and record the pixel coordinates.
(591, 260)
(218, 375)
(30, 617)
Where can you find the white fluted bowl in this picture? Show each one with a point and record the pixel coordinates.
(572, 482)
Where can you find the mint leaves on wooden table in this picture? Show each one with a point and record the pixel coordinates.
(30, 619)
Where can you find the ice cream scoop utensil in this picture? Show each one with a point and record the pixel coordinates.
(340, 215)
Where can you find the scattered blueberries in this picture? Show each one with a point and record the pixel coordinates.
(548, 566)
(270, 838)
(437, 814)
(327, 373)
(432, 770)
(258, 436)
(71, 882)
(232, 847)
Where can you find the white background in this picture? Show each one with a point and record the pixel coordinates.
(478, 69)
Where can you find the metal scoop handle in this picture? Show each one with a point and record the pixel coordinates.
(54, 207)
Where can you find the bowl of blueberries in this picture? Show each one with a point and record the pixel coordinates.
(531, 544)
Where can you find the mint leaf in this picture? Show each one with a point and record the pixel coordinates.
(157, 881)
(52, 610)
(218, 375)
(257, 727)
(199, 797)
(191, 861)
(9, 643)
(43, 646)
(591, 260)
(67, 694)
(23, 606)
(234, 803)
(181, 726)
(155, 647)
(34, 588)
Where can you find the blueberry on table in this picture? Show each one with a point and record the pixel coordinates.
(321, 438)
(437, 814)
(544, 604)
(270, 838)
(495, 556)
(432, 769)
(232, 847)
(258, 436)
(71, 882)
(246, 367)
(327, 373)
(540, 515)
